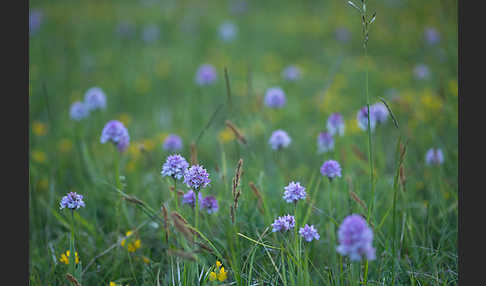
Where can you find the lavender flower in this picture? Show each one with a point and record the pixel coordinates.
(294, 192)
(95, 98)
(78, 111)
(362, 119)
(279, 139)
(35, 20)
(291, 73)
(309, 233)
(72, 201)
(355, 238)
(206, 75)
(331, 169)
(189, 198)
(228, 31)
(325, 142)
(150, 33)
(172, 143)
(196, 177)
(283, 223)
(379, 112)
(209, 203)
(275, 97)
(421, 71)
(434, 156)
(431, 35)
(116, 132)
(174, 167)
(335, 124)
(342, 34)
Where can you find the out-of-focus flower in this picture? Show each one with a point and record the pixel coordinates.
(331, 169)
(35, 20)
(95, 98)
(335, 124)
(325, 142)
(206, 75)
(294, 192)
(72, 201)
(342, 35)
(189, 198)
(209, 203)
(279, 139)
(291, 73)
(39, 128)
(228, 31)
(275, 97)
(172, 143)
(174, 167)
(133, 244)
(431, 35)
(116, 132)
(39, 156)
(196, 177)
(309, 233)
(125, 29)
(355, 238)
(434, 156)
(78, 111)
(65, 257)
(226, 135)
(283, 223)
(150, 33)
(421, 72)
(362, 119)
(379, 112)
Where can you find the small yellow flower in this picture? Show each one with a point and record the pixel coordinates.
(226, 135)
(145, 259)
(131, 246)
(39, 128)
(65, 145)
(65, 257)
(218, 264)
(222, 275)
(39, 156)
(125, 118)
(112, 283)
(212, 276)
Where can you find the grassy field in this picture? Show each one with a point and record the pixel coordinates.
(145, 55)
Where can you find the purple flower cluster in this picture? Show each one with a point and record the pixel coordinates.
(172, 143)
(209, 203)
(174, 167)
(331, 169)
(35, 19)
(206, 75)
(432, 36)
(379, 112)
(335, 124)
(228, 31)
(189, 198)
(362, 119)
(325, 142)
(421, 72)
(434, 157)
(279, 139)
(291, 73)
(283, 223)
(309, 233)
(196, 177)
(116, 132)
(355, 238)
(72, 201)
(78, 111)
(294, 192)
(95, 98)
(275, 97)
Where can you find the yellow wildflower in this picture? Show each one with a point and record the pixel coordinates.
(39, 128)
(112, 283)
(65, 257)
(212, 276)
(218, 264)
(226, 135)
(145, 259)
(125, 118)
(131, 246)
(65, 145)
(39, 156)
(222, 275)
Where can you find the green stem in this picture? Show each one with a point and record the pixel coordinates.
(72, 250)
